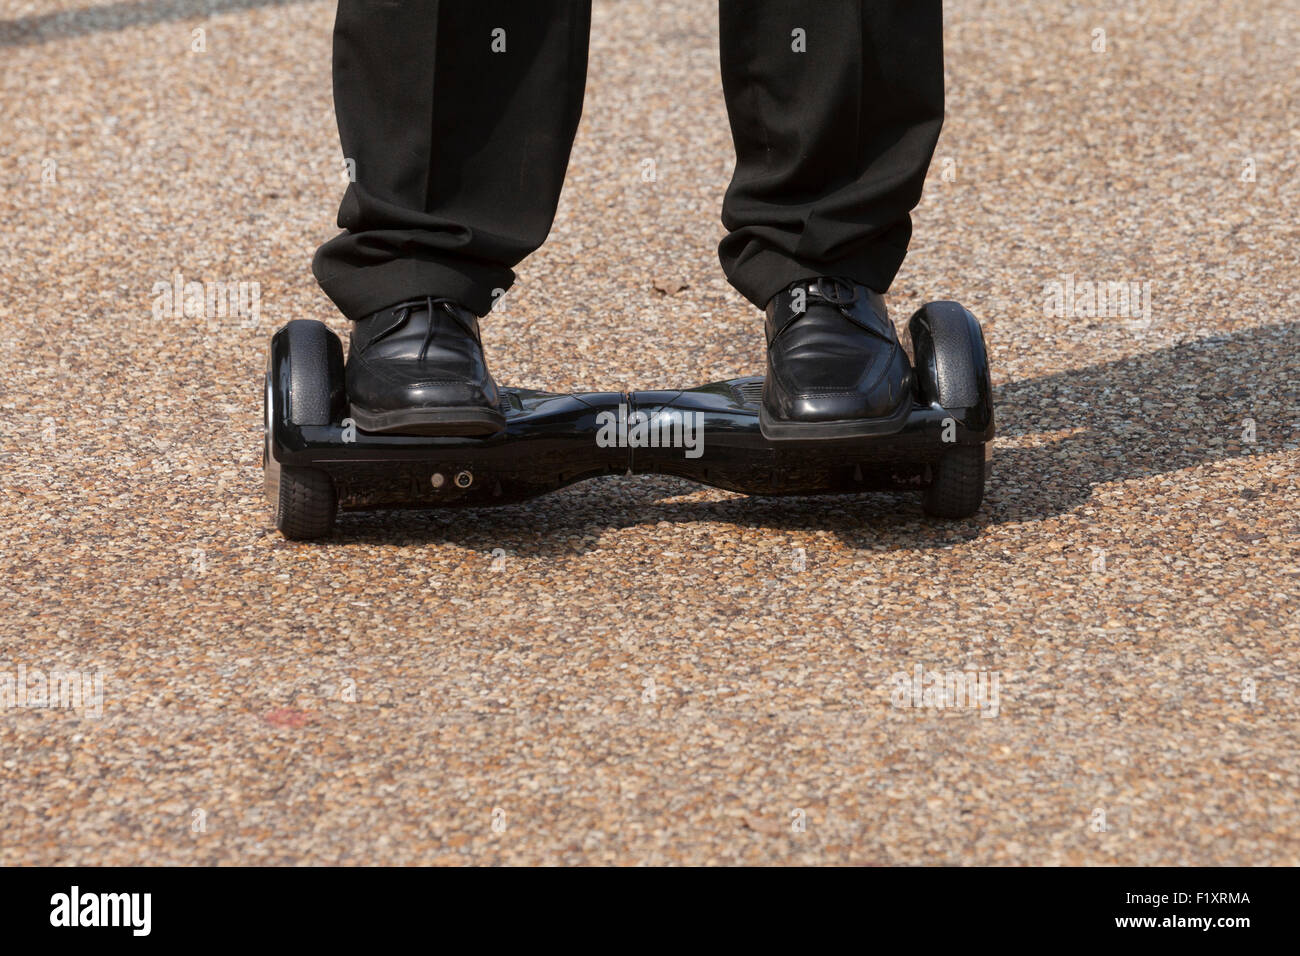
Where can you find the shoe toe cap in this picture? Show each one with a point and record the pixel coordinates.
(395, 385)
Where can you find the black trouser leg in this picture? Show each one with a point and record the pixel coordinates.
(460, 150)
(832, 144)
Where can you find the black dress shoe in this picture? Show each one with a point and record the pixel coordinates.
(835, 368)
(417, 368)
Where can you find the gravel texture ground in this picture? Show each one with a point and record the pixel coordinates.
(637, 670)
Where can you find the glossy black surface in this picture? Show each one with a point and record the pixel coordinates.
(835, 367)
(951, 373)
(708, 434)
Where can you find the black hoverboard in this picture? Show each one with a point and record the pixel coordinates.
(317, 461)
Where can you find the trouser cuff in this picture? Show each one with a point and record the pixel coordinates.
(767, 272)
(359, 291)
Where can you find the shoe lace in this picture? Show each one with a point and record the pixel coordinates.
(429, 302)
(838, 291)
(843, 294)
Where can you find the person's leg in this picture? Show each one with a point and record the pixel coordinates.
(459, 116)
(835, 109)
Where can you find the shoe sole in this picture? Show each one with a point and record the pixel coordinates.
(450, 421)
(777, 430)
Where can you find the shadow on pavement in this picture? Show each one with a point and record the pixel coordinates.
(1133, 418)
(26, 31)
